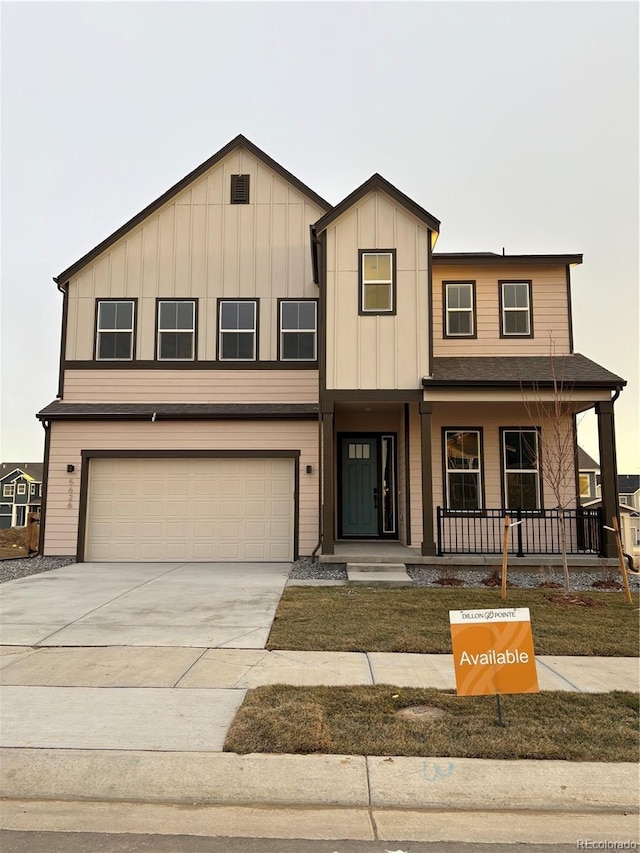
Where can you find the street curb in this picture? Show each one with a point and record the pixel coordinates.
(318, 780)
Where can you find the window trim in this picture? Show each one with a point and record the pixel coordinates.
(529, 283)
(8, 490)
(394, 277)
(256, 328)
(21, 489)
(445, 311)
(503, 478)
(134, 331)
(445, 472)
(194, 357)
(280, 357)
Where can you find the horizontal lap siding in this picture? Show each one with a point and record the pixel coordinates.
(415, 475)
(191, 386)
(550, 311)
(69, 439)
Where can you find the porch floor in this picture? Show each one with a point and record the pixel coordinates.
(375, 551)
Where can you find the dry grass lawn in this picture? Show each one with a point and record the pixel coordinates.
(13, 542)
(370, 619)
(363, 721)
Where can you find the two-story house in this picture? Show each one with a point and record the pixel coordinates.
(250, 373)
(20, 492)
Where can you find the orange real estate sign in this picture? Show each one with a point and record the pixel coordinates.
(493, 651)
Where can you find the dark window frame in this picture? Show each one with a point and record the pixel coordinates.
(394, 284)
(237, 196)
(194, 301)
(445, 472)
(134, 333)
(503, 477)
(529, 283)
(280, 357)
(256, 332)
(445, 311)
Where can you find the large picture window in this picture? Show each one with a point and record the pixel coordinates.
(377, 282)
(459, 309)
(463, 469)
(237, 331)
(521, 468)
(298, 331)
(115, 330)
(515, 309)
(176, 330)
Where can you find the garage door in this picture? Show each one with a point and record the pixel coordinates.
(190, 509)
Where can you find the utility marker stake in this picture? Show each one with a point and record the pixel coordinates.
(505, 546)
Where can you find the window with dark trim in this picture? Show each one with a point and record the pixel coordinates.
(239, 189)
(521, 468)
(176, 330)
(115, 326)
(459, 309)
(377, 281)
(515, 309)
(463, 469)
(298, 330)
(237, 330)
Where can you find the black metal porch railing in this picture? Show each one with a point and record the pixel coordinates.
(539, 533)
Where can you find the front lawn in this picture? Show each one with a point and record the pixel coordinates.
(374, 619)
(363, 721)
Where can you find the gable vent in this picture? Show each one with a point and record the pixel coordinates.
(239, 189)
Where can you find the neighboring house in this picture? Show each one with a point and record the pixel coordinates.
(629, 490)
(588, 473)
(20, 492)
(250, 373)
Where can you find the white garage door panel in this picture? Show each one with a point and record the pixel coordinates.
(190, 509)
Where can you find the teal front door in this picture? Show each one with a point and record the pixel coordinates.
(359, 486)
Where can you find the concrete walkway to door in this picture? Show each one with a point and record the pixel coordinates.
(205, 605)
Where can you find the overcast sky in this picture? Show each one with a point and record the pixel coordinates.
(515, 124)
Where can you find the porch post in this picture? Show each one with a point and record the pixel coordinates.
(608, 472)
(328, 486)
(428, 543)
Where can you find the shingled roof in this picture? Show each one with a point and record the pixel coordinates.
(586, 462)
(515, 371)
(32, 469)
(177, 411)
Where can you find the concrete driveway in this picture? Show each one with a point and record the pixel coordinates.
(224, 605)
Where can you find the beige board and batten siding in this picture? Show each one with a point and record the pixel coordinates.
(550, 311)
(69, 439)
(200, 246)
(191, 386)
(378, 351)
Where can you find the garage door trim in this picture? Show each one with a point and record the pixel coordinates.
(183, 454)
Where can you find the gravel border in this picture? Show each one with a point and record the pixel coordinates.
(309, 569)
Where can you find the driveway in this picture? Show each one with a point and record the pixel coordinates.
(205, 605)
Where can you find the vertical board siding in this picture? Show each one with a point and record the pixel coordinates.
(68, 440)
(378, 351)
(550, 311)
(199, 245)
(191, 386)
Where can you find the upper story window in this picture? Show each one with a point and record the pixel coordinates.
(298, 330)
(22, 488)
(587, 485)
(521, 468)
(176, 330)
(237, 330)
(115, 330)
(239, 189)
(8, 490)
(515, 309)
(459, 309)
(377, 281)
(463, 468)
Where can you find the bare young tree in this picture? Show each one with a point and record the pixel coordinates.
(557, 449)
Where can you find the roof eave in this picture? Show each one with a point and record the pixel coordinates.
(463, 258)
